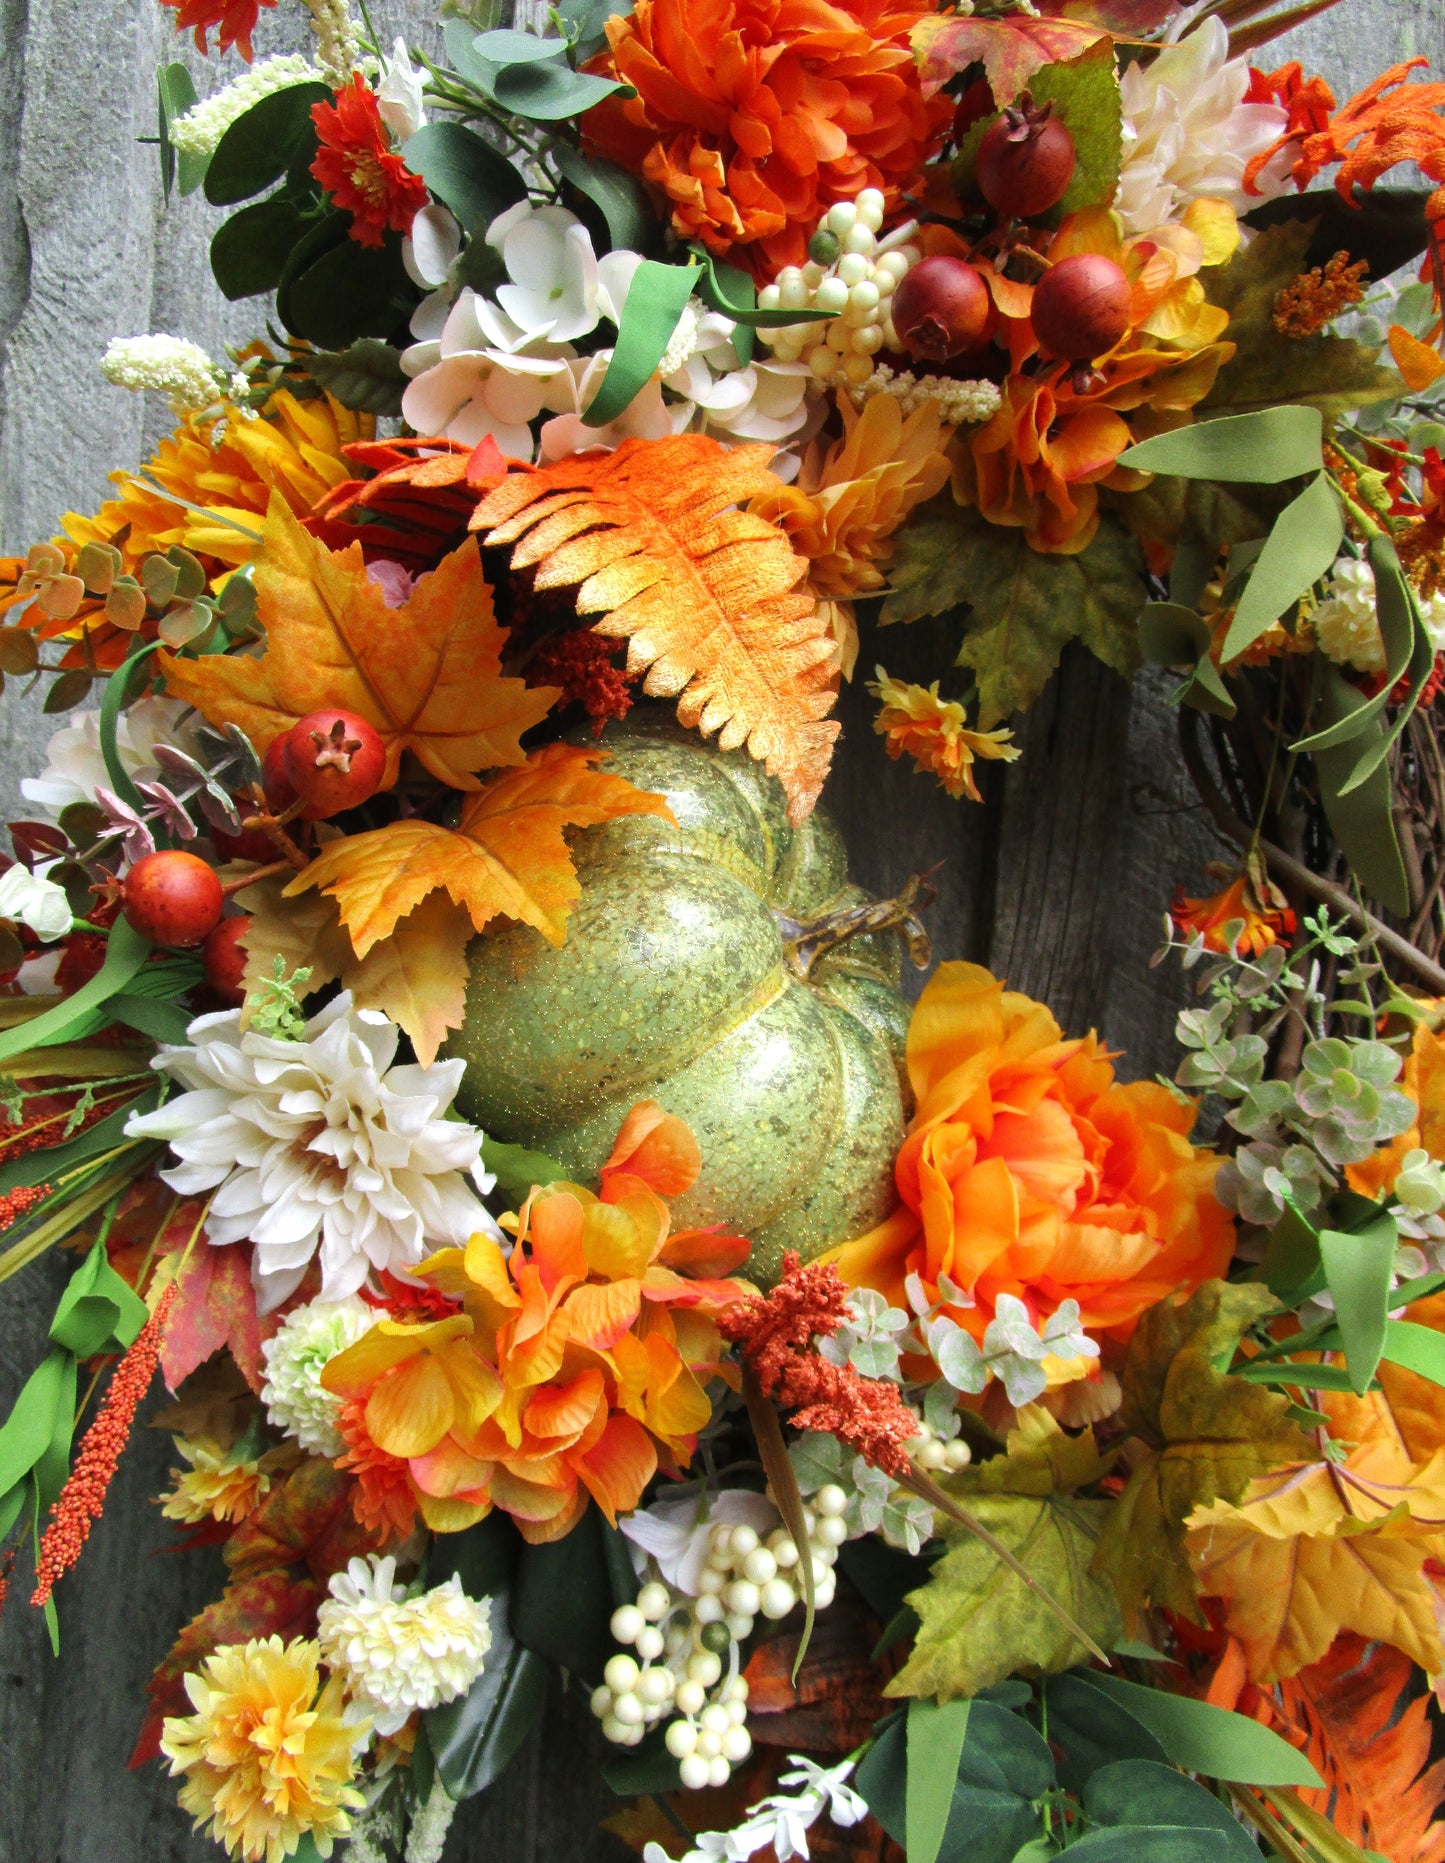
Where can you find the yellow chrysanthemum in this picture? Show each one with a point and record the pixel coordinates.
(264, 1759)
(935, 733)
(213, 1488)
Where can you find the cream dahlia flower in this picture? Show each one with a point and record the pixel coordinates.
(319, 1147)
(296, 1355)
(1345, 623)
(1189, 134)
(394, 1654)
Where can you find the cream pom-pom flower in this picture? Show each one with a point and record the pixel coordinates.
(319, 1147)
(394, 1654)
(1345, 623)
(296, 1355)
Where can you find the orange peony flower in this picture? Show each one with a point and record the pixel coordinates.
(934, 732)
(359, 169)
(1251, 905)
(753, 116)
(1029, 1170)
(568, 1364)
(842, 510)
(234, 20)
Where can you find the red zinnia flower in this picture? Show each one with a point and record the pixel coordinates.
(235, 20)
(358, 168)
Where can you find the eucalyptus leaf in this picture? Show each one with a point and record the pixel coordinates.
(1202, 1738)
(936, 1731)
(469, 176)
(618, 196)
(1261, 448)
(249, 250)
(1087, 1731)
(548, 93)
(368, 376)
(350, 291)
(1300, 549)
(258, 147)
(508, 47)
(1142, 1792)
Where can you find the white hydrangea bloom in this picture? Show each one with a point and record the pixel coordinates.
(1189, 134)
(319, 1147)
(200, 129)
(36, 902)
(759, 400)
(75, 769)
(303, 1346)
(1345, 623)
(394, 1654)
(171, 365)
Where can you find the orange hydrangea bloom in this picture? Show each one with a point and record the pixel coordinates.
(1029, 1170)
(1250, 902)
(753, 116)
(569, 1363)
(935, 733)
(1060, 429)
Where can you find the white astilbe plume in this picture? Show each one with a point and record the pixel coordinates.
(338, 40)
(319, 1147)
(296, 1355)
(171, 365)
(200, 129)
(396, 1655)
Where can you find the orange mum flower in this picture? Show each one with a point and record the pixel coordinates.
(1029, 1170)
(235, 20)
(570, 1362)
(359, 169)
(753, 116)
(1251, 906)
(934, 732)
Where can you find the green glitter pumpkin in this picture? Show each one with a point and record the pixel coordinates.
(682, 980)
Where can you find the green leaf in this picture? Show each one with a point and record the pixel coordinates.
(1300, 549)
(566, 1592)
(1205, 1739)
(46, 1165)
(1264, 448)
(547, 93)
(42, 1410)
(1387, 234)
(368, 376)
(1018, 608)
(516, 1169)
(1331, 373)
(349, 292)
(1085, 94)
(475, 1738)
(655, 300)
(619, 197)
(249, 251)
(1003, 1769)
(1142, 1792)
(1172, 635)
(98, 1312)
(506, 47)
(732, 293)
(1401, 632)
(1361, 815)
(125, 952)
(1292, 1269)
(327, 232)
(1418, 1348)
(1154, 1844)
(459, 37)
(936, 1731)
(1359, 1270)
(1288, 1376)
(466, 174)
(647, 1769)
(259, 147)
(175, 95)
(1087, 1731)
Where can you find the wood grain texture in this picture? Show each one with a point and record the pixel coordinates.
(1059, 881)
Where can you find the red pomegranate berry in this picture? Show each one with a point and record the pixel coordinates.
(940, 309)
(276, 774)
(1081, 307)
(1025, 162)
(975, 104)
(250, 844)
(335, 760)
(173, 898)
(225, 958)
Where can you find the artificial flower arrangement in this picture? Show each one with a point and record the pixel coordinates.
(470, 1078)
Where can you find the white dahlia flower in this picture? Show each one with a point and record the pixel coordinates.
(1189, 134)
(300, 1350)
(396, 1654)
(75, 769)
(319, 1147)
(1345, 624)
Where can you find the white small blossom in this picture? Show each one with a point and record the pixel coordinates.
(319, 1147)
(780, 1822)
(396, 1655)
(171, 365)
(75, 768)
(399, 98)
(1189, 134)
(959, 403)
(36, 902)
(427, 1837)
(677, 1531)
(1345, 622)
(338, 40)
(199, 131)
(296, 1355)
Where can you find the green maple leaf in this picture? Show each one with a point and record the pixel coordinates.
(978, 1622)
(1332, 373)
(1018, 608)
(1208, 1435)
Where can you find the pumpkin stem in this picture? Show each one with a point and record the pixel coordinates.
(804, 943)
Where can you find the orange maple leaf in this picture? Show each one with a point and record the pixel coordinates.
(427, 674)
(507, 854)
(705, 595)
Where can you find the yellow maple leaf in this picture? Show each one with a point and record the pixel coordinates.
(705, 595)
(427, 674)
(507, 854)
(1315, 1548)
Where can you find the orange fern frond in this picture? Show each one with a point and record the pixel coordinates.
(706, 595)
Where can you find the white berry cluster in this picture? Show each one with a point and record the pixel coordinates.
(855, 285)
(936, 1453)
(677, 1674)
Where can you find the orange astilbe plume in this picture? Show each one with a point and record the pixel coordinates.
(706, 595)
(776, 1333)
(753, 116)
